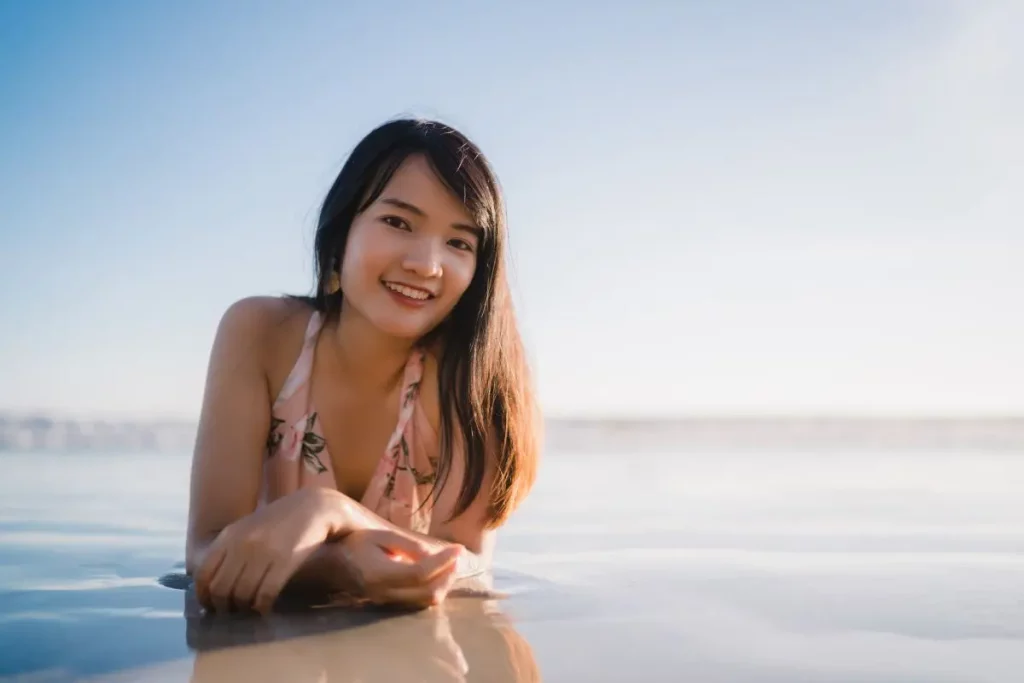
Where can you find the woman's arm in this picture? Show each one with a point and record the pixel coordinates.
(327, 570)
(233, 427)
(227, 462)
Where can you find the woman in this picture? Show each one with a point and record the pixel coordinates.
(370, 438)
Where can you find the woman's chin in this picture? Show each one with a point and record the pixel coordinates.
(406, 330)
(390, 321)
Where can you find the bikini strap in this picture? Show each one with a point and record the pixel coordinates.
(299, 375)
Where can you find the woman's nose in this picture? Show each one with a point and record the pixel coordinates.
(424, 259)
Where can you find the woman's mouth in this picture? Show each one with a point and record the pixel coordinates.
(406, 294)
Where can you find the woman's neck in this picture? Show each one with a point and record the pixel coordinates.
(369, 358)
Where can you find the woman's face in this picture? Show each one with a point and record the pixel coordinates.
(411, 254)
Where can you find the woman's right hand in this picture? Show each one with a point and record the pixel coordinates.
(392, 568)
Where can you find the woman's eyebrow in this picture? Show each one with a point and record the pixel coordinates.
(404, 205)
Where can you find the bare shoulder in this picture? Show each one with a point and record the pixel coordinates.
(236, 415)
(266, 329)
(261, 313)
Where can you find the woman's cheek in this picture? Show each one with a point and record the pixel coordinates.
(463, 273)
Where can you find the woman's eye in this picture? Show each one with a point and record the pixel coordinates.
(396, 222)
(461, 244)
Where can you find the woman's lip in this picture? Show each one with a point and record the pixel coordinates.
(406, 300)
(404, 284)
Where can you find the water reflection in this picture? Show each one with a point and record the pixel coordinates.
(466, 639)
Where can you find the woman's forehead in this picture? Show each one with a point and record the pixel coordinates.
(416, 185)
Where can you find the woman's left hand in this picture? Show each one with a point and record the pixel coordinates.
(251, 560)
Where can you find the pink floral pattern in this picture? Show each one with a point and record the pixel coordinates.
(297, 454)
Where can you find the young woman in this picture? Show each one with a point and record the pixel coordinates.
(370, 438)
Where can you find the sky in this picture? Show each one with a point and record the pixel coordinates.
(715, 208)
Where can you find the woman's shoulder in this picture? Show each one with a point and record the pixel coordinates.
(271, 328)
(265, 318)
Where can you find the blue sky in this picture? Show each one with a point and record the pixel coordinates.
(732, 207)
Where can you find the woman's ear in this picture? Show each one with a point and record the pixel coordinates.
(333, 282)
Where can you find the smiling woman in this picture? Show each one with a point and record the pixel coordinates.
(369, 438)
(468, 242)
(420, 243)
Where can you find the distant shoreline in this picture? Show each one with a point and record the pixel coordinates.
(34, 433)
(812, 432)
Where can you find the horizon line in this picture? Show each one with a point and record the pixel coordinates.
(929, 416)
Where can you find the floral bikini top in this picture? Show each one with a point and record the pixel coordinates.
(297, 457)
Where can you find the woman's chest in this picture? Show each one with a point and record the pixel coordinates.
(356, 431)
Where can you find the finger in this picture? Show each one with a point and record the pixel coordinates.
(223, 583)
(441, 562)
(421, 575)
(401, 544)
(207, 570)
(430, 593)
(388, 572)
(274, 580)
(276, 577)
(248, 583)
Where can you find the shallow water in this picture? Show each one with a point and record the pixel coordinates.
(717, 566)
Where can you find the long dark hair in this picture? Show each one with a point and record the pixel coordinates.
(484, 381)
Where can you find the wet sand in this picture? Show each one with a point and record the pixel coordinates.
(749, 616)
(824, 566)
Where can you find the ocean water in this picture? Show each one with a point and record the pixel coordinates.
(769, 566)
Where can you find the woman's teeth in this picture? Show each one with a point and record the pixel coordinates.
(407, 291)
